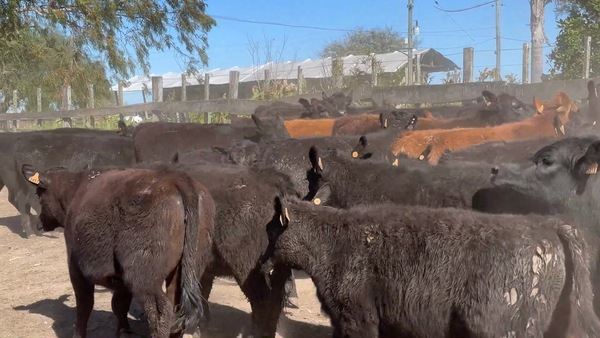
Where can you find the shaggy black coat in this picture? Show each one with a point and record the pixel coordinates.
(400, 271)
(131, 231)
(160, 140)
(370, 182)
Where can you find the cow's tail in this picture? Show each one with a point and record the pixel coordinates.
(583, 322)
(190, 311)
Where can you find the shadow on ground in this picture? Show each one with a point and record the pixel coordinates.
(13, 223)
(226, 322)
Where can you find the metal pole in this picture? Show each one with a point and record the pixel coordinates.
(409, 81)
(498, 48)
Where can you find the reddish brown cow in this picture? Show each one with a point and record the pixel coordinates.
(549, 121)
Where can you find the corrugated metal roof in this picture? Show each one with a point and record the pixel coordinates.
(315, 69)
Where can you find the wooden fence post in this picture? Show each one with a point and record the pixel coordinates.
(525, 76)
(374, 70)
(38, 94)
(157, 93)
(15, 102)
(468, 64)
(586, 56)
(91, 121)
(300, 81)
(182, 117)
(234, 80)
(418, 79)
(206, 95)
(120, 95)
(267, 82)
(337, 72)
(66, 105)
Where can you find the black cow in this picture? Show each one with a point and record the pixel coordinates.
(558, 172)
(406, 271)
(315, 109)
(499, 152)
(370, 182)
(131, 231)
(287, 156)
(244, 203)
(160, 140)
(60, 147)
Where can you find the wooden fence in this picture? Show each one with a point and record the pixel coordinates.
(406, 95)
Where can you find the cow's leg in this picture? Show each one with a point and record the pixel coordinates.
(23, 208)
(266, 303)
(84, 299)
(159, 313)
(290, 291)
(121, 301)
(206, 283)
(360, 322)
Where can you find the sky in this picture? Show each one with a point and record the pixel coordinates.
(448, 33)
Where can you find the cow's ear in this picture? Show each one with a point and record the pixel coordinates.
(488, 97)
(31, 175)
(589, 161)
(383, 119)
(349, 96)
(413, 123)
(304, 103)
(315, 159)
(175, 158)
(323, 194)
(257, 121)
(539, 107)
(282, 211)
(360, 147)
(122, 126)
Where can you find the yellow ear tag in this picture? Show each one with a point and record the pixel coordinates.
(281, 219)
(320, 164)
(562, 129)
(317, 201)
(385, 123)
(354, 154)
(395, 163)
(287, 216)
(35, 179)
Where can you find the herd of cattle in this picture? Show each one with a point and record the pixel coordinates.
(472, 221)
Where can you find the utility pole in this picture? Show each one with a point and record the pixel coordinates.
(409, 81)
(498, 48)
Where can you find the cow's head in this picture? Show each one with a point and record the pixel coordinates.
(558, 171)
(124, 130)
(52, 185)
(318, 109)
(503, 108)
(288, 225)
(397, 120)
(340, 101)
(271, 129)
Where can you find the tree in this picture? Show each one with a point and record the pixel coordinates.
(538, 35)
(583, 20)
(121, 32)
(47, 59)
(365, 42)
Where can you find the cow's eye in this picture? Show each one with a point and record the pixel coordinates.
(546, 162)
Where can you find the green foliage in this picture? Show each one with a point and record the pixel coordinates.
(568, 54)
(276, 90)
(48, 60)
(365, 42)
(121, 32)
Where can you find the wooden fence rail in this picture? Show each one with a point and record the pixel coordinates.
(409, 95)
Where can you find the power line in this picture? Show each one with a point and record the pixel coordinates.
(270, 23)
(462, 10)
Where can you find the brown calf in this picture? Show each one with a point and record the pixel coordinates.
(548, 121)
(131, 231)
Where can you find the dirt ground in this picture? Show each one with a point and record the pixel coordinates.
(37, 300)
